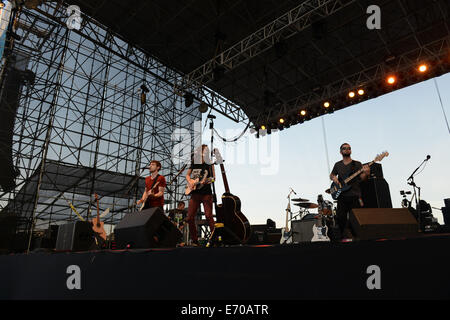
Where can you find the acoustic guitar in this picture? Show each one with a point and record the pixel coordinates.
(229, 212)
(97, 225)
(198, 184)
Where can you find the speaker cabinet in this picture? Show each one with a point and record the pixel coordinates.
(149, 228)
(375, 193)
(446, 215)
(375, 223)
(75, 236)
(376, 171)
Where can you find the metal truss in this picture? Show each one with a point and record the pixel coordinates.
(84, 111)
(265, 38)
(371, 79)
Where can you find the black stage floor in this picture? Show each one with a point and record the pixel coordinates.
(416, 268)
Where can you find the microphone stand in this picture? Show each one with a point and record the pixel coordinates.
(417, 195)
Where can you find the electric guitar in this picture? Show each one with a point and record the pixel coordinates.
(337, 189)
(146, 196)
(320, 232)
(199, 184)
(286, 234)
(97, 225)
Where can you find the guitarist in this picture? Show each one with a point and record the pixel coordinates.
(155, 184)
(351, 198)
(200, 166)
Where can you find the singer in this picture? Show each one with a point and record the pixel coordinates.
(155, 181)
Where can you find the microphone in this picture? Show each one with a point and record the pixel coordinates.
(428, 157)
(293, 191)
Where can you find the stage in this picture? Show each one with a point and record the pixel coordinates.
(414, 268)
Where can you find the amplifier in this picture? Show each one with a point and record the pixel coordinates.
(302, 230)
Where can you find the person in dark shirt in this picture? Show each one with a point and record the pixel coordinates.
(202, 170)
(351, 198)
(178, 215)
(155, 184)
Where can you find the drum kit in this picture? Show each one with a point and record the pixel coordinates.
(325, 207)
(324, 217)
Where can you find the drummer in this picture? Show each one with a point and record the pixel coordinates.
(178, 215)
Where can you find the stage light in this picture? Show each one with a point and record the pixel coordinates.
(281, 120)
(263, 127)
(361, 92)
(303, 112)
(203, 107)
(326, 104)
(351, 94)
(391, 80)
(423, 68)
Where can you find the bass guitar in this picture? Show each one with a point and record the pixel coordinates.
(229, 212)
(337, 189)
(97, 225)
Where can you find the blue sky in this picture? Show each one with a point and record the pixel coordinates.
(408, 123)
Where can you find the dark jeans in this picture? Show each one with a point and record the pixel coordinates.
(194, 205)
(344, 206)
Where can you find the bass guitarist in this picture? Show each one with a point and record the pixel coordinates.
(352, 197)
(200, 168)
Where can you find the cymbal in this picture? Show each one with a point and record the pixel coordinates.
(300, 200)
(307, 205)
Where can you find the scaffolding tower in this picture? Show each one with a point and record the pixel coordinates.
(91, 113)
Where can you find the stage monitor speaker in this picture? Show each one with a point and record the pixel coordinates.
(375, 223)
(375, 193)
(302, 230)
(149, 228)
(75, 236)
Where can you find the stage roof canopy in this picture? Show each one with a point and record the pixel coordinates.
(276, 58)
